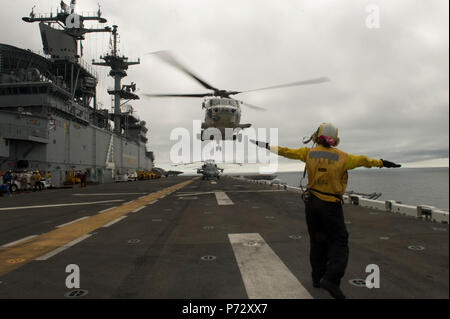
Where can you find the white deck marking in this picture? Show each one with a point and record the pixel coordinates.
(72, 222)
(17, 241)
(108, 194)
(114, 221)
(247, 191)
(138, 209)
(265, 276)
(61, 205)
(62, 248)
(151, 203)
(223, 199)
(181, 194)
(188, 198)
(213, 182)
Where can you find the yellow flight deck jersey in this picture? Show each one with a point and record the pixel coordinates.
(327, 168)
(37, 177)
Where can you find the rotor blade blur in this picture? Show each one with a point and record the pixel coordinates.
(307, 82)
(254, 107)
(178, 95)
(168, 58)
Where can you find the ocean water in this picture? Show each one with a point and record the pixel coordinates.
(411, 186)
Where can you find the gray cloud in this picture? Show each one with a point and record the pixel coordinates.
(389, 89)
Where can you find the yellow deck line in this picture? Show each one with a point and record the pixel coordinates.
(18, 255)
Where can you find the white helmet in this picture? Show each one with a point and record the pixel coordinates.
(326, 134)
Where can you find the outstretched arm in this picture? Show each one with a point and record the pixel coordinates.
(354, 161)
(297, 154)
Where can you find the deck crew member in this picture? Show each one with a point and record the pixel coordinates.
(6, 185)
(37, 180)
(83, 177)
(327, 169)
(48, 177)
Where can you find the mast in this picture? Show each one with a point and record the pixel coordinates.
(62, 37)
(72, 23)
(118, 65)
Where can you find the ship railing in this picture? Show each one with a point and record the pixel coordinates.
(40, 53)
(45, 15)
(88, 13)
(53, 15)
(83, 63)
(88, 67)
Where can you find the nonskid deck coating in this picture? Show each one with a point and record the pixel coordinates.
(166, 261)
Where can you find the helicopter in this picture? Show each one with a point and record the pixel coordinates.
(209, 170)
(222, 111)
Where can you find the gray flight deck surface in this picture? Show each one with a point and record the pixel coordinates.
(175, 232)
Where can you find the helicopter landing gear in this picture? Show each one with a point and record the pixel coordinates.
(237, 137)
(201, 136)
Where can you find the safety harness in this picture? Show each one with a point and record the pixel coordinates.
(305, 195)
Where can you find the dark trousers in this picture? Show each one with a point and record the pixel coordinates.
(329, 239)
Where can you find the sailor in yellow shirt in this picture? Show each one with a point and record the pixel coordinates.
(36, 181)
(327, 168)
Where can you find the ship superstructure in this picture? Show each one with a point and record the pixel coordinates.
(49, 115)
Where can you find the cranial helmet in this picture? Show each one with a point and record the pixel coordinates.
(326, 135)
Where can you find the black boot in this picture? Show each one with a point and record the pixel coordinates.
(316, 281)
(333, 289)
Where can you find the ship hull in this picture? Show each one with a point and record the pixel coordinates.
(61, 145)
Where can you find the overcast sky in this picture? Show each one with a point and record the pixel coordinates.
(388, 93)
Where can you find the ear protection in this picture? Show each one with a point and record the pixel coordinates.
(319, 136)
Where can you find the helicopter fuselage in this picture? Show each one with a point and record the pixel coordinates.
(222, 113)
(210, 170)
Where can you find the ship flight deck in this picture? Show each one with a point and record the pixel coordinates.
(187, 238)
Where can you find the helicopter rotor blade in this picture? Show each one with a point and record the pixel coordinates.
(167, 57)
(254, 107)
(179, 95)
(306, 82)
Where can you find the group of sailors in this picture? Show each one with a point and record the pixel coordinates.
(23, 181)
